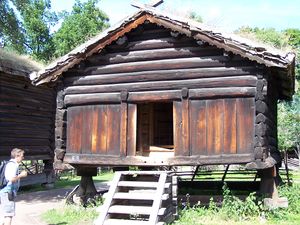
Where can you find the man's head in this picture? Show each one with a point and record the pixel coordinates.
(17, 154)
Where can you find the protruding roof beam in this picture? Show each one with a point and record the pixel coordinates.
(153, 4)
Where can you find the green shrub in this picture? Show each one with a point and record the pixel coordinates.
(293, 211)
(236, 209)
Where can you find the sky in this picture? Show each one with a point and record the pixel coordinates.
(228, 15)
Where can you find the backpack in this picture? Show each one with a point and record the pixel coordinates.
(3, 181)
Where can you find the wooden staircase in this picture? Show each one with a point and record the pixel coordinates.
(139, 197)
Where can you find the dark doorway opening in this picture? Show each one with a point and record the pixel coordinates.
(155, 128)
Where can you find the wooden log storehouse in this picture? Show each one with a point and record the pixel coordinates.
(158, 90)
(27, 114)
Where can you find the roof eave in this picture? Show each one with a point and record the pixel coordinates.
(256, 53)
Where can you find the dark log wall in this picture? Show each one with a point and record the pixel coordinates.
(213, 94)
(266, 117)
(26, 117)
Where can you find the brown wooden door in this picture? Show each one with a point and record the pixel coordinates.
(221, 126)
(214, 126)
(94, 129)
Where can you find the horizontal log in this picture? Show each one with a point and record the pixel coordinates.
(194, 62)
(157, 75)
(168, 42)
(30, 112)
(19, 83)
(6, 97)
(146, 29)
(24, 126)
(153, 54)
(243, 81)
(24, 104)
(25, 119)
(148, 34)
(222, 92)
(4, 133)
(24, 141)
(154, 96)
(24, 93)
(28, 149)
(79, 99)
(93, 159)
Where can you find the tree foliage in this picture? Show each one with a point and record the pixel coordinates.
(84, 21)
(289, 123)
(26, 27)
(11, 32)
(194, 16)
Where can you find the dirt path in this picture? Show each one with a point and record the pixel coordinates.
(30, 206)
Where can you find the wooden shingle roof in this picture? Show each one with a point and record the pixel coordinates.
(282, 63)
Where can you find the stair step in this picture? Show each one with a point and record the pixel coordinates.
(128, 222)
(139, 199)
(141, 184)
(128, 209)
(138, 196)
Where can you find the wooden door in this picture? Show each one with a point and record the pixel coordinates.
(221, 126)
(94, 129)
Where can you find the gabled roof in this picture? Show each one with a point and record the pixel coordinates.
(270, 57)
(13, 64)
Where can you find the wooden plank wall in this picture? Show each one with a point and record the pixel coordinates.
(217, 126)
(151, 64)
(26, 117)
(94, 129)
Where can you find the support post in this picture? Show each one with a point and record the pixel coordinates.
(268, 188)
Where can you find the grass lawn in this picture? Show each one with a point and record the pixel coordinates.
(72, 214)
(233, 211)
(250, 211)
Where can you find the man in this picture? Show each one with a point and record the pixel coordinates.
(9, 192)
